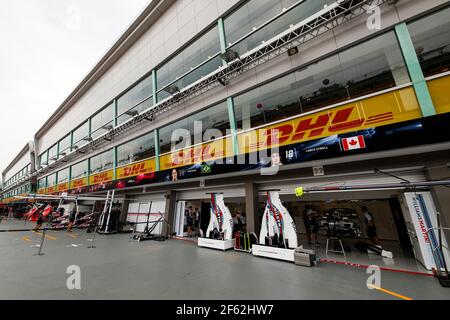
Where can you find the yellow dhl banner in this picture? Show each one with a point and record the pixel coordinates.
(42, 191)
(52, 189)
(102, 177)
(63, 186)
(135, 169)
(393, 107)
(439, 91)
(215, 150)
(78, 183)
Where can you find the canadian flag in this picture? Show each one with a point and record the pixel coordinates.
(353, 143)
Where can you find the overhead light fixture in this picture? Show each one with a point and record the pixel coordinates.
(229, 55)
(132, 113)
(292, 51)
(88, 139)
(108, 127)
(171, 89)
(77, 149)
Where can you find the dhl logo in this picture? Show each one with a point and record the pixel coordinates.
(314, 127)
(136, 170)
(63, 186)
(206, 152)
(144, 167)
(101, 177)
(79, 183)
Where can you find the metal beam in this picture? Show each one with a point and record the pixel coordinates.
(415, 70)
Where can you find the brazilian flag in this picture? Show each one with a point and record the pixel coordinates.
(206, 168)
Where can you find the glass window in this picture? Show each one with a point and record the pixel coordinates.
(136, 150)
(431, 38)
(195, 75)
(373, 66)
(267, 104)
(64, 144)
(202, 49)
(252, 15)
(53, 154)
(63, 176)
(81, 133)
(100, 120)
(79, 170)
(133, 100)
(367, 68)
(101, 162)
(51, 180)
(212, 118)
(43, 159)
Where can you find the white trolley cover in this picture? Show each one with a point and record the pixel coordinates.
(277, 220)
(220, 217)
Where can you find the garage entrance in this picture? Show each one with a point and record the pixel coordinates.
(193, 209)
(341, 226)
(344, 222)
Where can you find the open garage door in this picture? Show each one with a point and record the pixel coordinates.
(346, 208)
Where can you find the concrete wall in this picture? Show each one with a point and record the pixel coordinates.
(19, 165)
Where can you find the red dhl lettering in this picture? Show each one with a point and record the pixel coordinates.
(194, 155)
(134, 170)
(101, 178)
(78, 183)
(311, 127)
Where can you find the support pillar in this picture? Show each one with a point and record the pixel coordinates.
(169, 215)
(252, 207)
(415, 70)
(124, 209)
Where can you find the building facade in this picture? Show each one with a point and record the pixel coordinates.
(345, 86)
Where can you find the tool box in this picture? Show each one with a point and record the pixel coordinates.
(304, 257)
